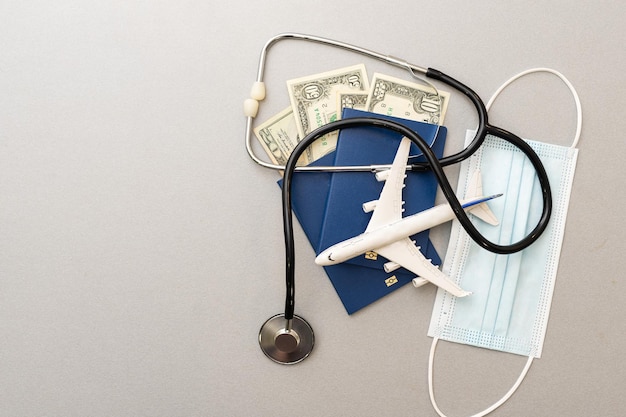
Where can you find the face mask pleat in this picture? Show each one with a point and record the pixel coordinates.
(511, 294)
(510, 304)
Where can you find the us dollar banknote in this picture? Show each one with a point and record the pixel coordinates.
(314, 103)
(279, 136)
(349, 99)
(405, 99)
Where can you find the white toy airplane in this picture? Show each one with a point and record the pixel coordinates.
(388, 232)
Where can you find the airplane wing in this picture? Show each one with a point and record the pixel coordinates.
(389, 205)
(405, 253)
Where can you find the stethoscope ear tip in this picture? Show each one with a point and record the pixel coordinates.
(286, 341)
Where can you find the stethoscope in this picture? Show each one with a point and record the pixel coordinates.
(287, 338)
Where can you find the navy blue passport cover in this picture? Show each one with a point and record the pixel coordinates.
(328, 205)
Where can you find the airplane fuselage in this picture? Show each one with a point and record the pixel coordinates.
(385, 235)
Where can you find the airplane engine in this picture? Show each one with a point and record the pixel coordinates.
(418, 282)
(369, 206)
(382, 175)
(390, 266)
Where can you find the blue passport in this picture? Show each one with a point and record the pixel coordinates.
(328, 205)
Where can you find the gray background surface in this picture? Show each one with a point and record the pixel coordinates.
(141, 249)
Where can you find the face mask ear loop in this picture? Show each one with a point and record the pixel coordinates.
(431, 390)
(431, 357)
(579, 112)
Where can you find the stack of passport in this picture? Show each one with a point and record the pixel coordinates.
(329, 205)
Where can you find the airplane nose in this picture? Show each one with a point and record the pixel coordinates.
(324, 259)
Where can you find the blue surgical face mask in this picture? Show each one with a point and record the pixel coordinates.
(511, 294)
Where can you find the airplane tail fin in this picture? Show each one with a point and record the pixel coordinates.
(482, 210)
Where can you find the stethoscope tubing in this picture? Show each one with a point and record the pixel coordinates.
(432, 164)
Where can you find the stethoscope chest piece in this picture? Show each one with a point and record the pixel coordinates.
(286, 341)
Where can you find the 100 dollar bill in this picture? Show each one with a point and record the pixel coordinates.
(400, 98)
(314, 103)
